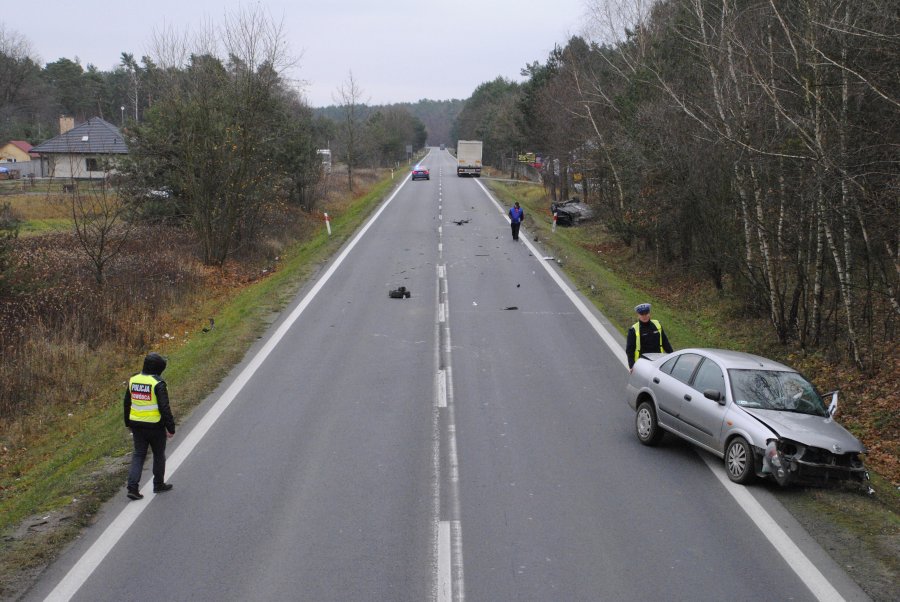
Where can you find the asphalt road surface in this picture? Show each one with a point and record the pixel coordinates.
(471, 441)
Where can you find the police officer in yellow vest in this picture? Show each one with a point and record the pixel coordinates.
(645, 336)
(148, 415)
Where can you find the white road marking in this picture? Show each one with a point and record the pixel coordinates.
(451, 581)
(608, 338)
(91, 559)
(442, 388)
(793, 556)
(445, 566)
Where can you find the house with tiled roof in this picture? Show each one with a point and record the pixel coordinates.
(90, 150)
(16, 151)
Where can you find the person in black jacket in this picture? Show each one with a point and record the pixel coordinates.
(148, 415)
(652, 337)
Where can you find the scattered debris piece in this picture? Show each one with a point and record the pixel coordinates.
(510, 307)
(548, 258)
(518, 285)
(460, 222)
(400, 293)
(212, 324)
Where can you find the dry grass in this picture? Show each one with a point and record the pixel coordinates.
(61, 334)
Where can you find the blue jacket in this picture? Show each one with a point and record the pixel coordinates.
(516, 215)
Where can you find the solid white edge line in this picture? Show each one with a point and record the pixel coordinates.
(92, 558)
(611, 342)
(817, 583)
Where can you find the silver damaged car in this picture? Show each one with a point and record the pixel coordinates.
(763, 418)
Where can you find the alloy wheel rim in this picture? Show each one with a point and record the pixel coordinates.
(737, 459)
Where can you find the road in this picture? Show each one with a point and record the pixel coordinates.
(472, 441)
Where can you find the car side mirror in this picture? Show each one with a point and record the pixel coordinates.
(832, 407)
(715, 396)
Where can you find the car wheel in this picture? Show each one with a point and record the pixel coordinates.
(739, 461)
(645, 425)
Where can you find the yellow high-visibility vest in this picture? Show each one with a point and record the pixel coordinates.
(143, 398)
(637, 337)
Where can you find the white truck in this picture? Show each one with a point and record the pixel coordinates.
(468, 158)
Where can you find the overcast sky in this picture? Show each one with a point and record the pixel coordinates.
(398, 50)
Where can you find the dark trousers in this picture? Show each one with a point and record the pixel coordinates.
(515, 229)
(155, 439)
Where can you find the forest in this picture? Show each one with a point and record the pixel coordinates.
(750, 142)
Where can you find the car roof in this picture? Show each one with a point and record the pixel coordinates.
(738, 360)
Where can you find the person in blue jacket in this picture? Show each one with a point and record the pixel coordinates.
(516, 215)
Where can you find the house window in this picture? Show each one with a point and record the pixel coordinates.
(92, 164)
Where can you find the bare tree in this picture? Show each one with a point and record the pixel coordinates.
(349, 98)
(100, 223)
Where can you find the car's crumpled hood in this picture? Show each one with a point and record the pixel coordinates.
(814, 431)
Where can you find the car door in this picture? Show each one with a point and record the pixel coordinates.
(702, 417)
(672, 387)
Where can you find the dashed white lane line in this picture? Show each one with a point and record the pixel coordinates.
(442, 389)
(793, 555)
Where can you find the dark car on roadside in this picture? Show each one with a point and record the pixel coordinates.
(420, 172)
(571, 212)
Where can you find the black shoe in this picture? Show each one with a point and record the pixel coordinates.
(162, 488)
(134, 494)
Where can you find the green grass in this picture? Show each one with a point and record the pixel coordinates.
(862, 533)
(36, 227)
(611, 293)
(81, 458)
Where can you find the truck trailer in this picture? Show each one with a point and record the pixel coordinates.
(468, 158)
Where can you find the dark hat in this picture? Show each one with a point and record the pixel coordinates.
(643, 308)
(154, 363)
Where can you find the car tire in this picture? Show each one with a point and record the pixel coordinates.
(740, 462)
(646, 426)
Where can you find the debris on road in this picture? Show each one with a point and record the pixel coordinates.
(400, 293)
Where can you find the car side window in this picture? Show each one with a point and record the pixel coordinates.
(667, 367)
(685, 366)
(709, 376)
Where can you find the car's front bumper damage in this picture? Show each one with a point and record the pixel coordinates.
(791, 462)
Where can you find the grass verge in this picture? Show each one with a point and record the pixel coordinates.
(861, 533)
(77, 459)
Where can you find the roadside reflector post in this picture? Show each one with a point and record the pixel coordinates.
(328, 224)
(553, 229)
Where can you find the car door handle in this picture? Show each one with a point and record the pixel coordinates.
(656, 380)
(687, 397)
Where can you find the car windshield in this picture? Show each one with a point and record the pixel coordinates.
(775, 390)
